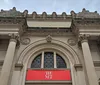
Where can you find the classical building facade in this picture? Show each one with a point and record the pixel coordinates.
(49, 49)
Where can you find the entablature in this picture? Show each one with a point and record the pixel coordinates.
(89, 26)
(12, 25)
(86, 23)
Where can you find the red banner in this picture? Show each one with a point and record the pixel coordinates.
(48, 75)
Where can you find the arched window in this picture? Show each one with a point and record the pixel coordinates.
(36, 63)
(48, 60)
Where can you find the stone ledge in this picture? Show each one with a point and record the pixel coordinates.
(49, 82)
(1, 62)
(96, 63)
(78, 66)
(17, 65)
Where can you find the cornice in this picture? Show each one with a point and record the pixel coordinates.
(12, 20)
(86, 21)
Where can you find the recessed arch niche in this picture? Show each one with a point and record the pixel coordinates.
(32, 50)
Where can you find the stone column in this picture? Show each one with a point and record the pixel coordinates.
(89, 66)
(7, 65)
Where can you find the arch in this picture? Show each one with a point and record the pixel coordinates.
(55, 45)
(37, 47)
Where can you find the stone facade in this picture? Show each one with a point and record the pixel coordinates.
(75, 37)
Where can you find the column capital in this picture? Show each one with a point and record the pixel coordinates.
(14, 37)
(84, 37)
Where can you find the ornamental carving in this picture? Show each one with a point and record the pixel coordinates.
(44, 15)
(86, 14)
(54, 15)
(25, 41)
(14, 36)
(48, 38)
(84, 37)
(71, 41)
(11, 13)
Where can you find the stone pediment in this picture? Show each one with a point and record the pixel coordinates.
(11, 13)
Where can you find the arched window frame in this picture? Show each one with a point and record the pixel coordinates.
(55, 65)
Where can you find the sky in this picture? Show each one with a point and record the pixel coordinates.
(50, 6)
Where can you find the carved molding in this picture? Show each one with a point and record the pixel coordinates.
(42, 44)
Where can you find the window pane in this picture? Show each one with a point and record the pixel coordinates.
(36, 63)
(48, 60)
(60, 62)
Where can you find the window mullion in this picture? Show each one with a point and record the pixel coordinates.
(55, 66)
(42, 61)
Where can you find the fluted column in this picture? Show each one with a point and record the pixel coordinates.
(7, 65)
(89, 66)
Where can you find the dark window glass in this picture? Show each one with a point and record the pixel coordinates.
(60, 62)
(36, 63)
(48, 60)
